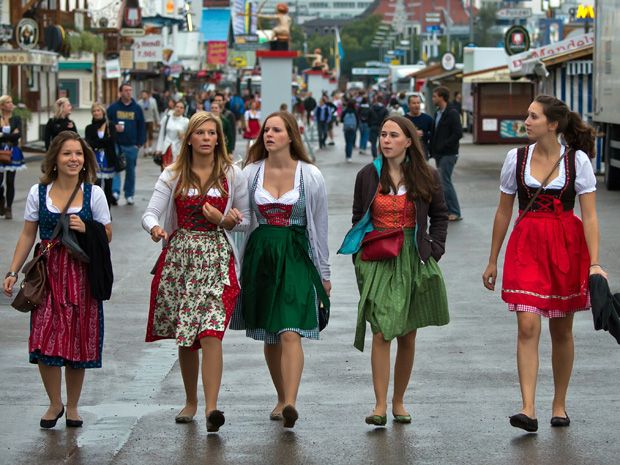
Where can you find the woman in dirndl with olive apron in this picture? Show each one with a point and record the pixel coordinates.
(401, 289)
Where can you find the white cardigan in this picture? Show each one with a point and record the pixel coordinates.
(162, 203)
(316, 213)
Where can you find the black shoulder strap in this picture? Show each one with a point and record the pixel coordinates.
(64, 211)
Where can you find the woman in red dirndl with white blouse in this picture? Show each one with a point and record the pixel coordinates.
(551, 252)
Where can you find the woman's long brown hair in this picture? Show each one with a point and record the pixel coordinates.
(89, 172)
(419, 179)
(222, 161)
(258, 151)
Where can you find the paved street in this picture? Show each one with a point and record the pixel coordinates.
(463, 389)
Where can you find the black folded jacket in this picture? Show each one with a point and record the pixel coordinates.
(95, 244)
(605, 306)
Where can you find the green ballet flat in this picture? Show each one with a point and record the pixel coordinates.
(376, 420)
(404, 419)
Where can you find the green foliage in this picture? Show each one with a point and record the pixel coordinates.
(24, 113)
(85, 42)
(484, 22)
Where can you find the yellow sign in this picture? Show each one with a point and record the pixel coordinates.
(395, 62)
(126, 59)
(239, 62)
(585, 12)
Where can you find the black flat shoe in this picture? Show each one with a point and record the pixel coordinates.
(521, 420)
(290, 416)
(215, 420)
(47, 424)
(560, 421)
(73, 423)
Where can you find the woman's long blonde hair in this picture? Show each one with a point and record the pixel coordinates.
(58, 106)
(182, 167)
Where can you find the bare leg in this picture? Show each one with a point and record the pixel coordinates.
(273, 357)
(212, 366)
(562, 356)
(74, 379)
(402, 371)
(189, 362)
(527, 359)
(380, 362)
(292, 365)
(51, 377)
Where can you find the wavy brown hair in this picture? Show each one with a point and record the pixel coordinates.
(89, 172)
(419, 178)
(578, 135)
(222, 161)
(258, 151)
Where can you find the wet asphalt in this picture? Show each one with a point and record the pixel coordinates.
(463, 388)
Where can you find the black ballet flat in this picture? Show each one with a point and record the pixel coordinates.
(521, 420)
(74, 423)
(560, 421)
(47, 424)
(290, 416)
(215, 420)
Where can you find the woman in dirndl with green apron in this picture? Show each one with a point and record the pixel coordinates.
(285, 273)
(400, 290)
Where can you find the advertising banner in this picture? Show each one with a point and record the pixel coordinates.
(216, 52)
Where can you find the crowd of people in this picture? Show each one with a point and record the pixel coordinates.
(247, 248)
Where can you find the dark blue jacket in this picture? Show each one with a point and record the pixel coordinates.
(135, 128)
(426, 124)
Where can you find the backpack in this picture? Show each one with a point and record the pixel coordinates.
(349, 121)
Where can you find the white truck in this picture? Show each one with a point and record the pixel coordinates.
(607, 86)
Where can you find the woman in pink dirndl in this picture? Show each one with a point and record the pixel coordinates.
(551, 252)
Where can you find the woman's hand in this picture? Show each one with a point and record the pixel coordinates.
(489, 276)
(8, 284)
(157, 234)
(327, 285)
(76, 223)
(212, 214)
(235, 216)
(598, 269)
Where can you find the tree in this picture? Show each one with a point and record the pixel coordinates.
(485, 34)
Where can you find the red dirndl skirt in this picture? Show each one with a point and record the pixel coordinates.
(547, 262)
(252, 129)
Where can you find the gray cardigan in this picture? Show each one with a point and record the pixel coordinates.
(316, 213)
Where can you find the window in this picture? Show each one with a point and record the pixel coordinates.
(319, 5)
(70, 88)
(344, 4)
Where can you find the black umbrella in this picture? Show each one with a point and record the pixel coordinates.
(605, 306)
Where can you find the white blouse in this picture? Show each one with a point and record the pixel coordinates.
(98, 205)
(262, 195)
(177, 125)
(585, 181)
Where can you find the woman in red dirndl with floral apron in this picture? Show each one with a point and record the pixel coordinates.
(551, 252)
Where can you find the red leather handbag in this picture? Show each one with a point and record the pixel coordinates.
(382, 245)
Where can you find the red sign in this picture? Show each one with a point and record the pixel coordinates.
(216, 52)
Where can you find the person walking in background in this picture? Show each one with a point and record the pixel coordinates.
(202, 197)
(229, 131)
(322, 116)
(151, 118)
(551, 253)
(66, 329)
(173, 127)
(334, 105)
(59, 122)
(252, 118)
(445, 148)
(126, 115)
(350, 123)
(377, 114)
(101, 137)
(11, 132)
(424, 123)
(395, 109)
(363, 114)
(285, 265)
(230, 124)
(404, 291)
(309, 106)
